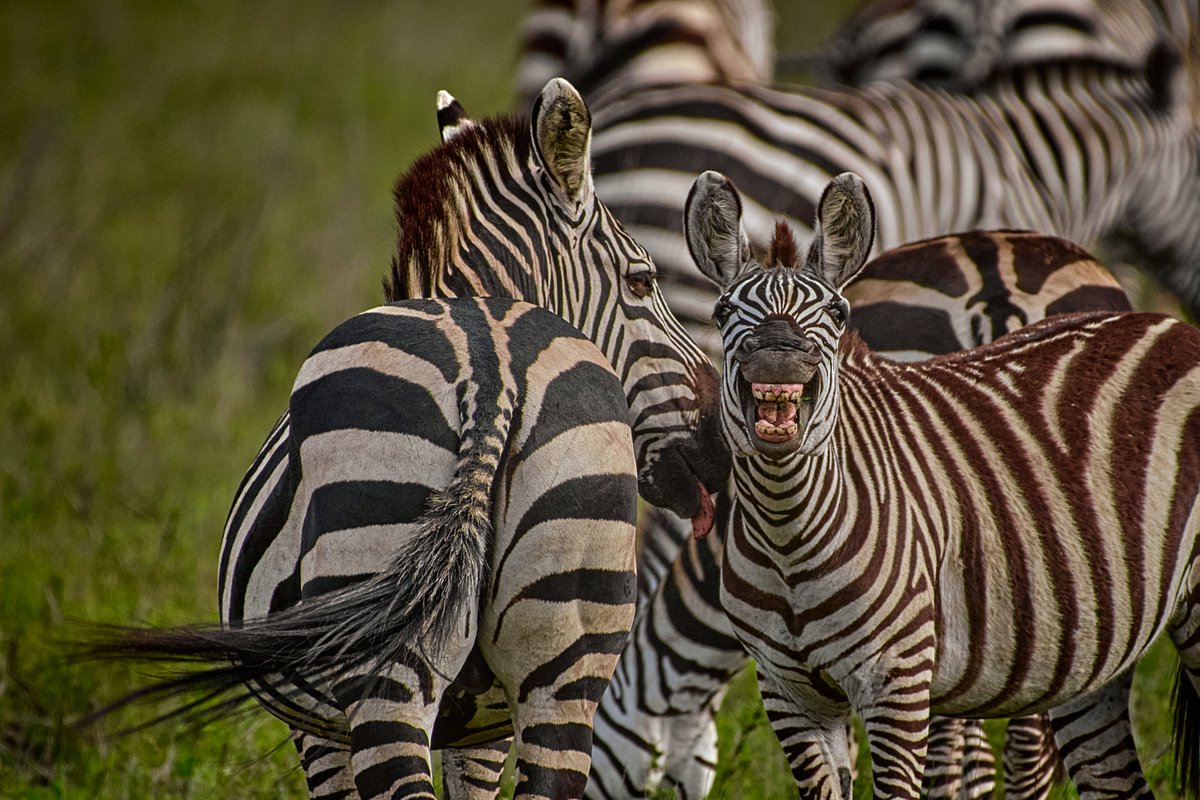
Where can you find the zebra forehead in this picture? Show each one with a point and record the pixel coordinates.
(427, 196)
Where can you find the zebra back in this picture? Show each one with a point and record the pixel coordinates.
(602, 44)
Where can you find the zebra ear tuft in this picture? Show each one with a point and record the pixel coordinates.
(712, 225)
(562, 135)
(451, 116)
(845, 231)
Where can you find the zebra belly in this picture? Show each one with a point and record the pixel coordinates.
(1009, 645)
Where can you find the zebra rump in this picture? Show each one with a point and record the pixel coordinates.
(406, 612)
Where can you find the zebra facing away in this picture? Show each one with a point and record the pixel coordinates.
(655, 727)
(503, 207)
(987, 533)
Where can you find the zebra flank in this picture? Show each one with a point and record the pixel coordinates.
(995, 532)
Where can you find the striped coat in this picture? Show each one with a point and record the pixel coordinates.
(991, 533)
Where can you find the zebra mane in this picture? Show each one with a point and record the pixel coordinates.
(432, 197)
(783, 252)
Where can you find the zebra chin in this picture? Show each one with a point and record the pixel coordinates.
(672, 478)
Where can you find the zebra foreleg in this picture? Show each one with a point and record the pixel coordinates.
(817, 752)
(1095, 738)
(326, 766)
(1185, 633)
(473, 773)
(897, 724)
(944, 762)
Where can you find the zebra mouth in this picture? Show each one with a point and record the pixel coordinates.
(778, 414)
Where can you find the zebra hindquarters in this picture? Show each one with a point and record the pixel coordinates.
(563, 589)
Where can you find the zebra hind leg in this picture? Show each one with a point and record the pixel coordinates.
(1095, 738)
(326, 766)
(1031, 763)
(473, 773)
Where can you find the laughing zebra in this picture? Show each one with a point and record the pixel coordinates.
(504, 207)
(656, 726)
(995, 532)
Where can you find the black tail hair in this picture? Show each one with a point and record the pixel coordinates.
(413, 604)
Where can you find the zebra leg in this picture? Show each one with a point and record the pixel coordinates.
(391, 713)
(1031, 762)
(473, 773)
(978, 762)
(326, 766)
(944, 762)
(817, 752)
(1095, 739)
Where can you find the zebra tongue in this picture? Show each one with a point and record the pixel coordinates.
(702, 523)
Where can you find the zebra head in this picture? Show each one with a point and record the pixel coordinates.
(505, 207)
(780, 320)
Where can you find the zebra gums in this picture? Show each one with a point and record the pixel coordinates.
(994, 532)
(434, 547)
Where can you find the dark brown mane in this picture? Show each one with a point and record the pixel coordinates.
(425, 199)
(783, 252)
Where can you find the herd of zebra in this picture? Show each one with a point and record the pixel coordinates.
(435, 547)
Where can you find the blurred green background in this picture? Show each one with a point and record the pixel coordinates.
(191, 194)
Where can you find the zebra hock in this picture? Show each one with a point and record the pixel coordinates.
(991, 533)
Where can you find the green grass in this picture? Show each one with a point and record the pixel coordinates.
(190, 195)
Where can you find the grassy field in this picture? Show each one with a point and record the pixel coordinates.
(190, 195)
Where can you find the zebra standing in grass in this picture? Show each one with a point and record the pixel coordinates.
(992, 532)
(656, 726)
(504, 208)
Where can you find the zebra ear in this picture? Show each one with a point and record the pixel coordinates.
(562, 135)
(845, 231)
(451, 116)
(712, 225)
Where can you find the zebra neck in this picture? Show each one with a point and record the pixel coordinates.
(799, 497)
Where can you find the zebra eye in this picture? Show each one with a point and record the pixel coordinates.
(640, 283)
(838, 310)
(722, 311)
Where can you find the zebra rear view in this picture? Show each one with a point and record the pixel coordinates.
(470, 492)
(991, 533)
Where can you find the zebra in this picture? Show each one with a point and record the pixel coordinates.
(992, 532)
(959, 43)
(504, 207)
(655, 726)
(1076, 149)
(601, 45)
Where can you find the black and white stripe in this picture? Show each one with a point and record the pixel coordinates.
(996, 532)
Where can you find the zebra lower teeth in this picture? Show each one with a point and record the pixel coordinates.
(776, 410)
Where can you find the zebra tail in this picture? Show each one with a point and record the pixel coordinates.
(412, 607)
(1185, 737)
